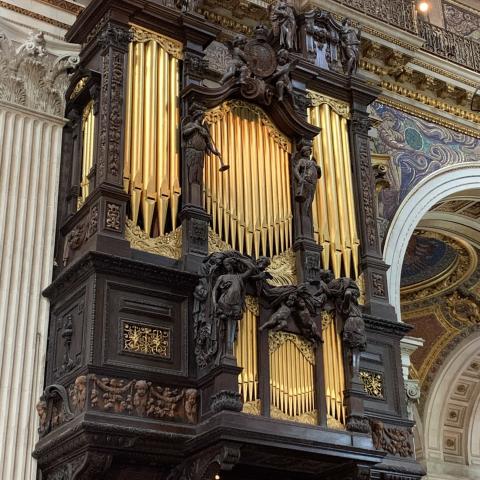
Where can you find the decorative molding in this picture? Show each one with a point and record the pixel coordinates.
(146, 340)
(172, 47)
(36, 16)
(429, 101)
(169, 245)
(342, 108)
(33, 78)
(69, 7)
(216, 114)
(430, 117)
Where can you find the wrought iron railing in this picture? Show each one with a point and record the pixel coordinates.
(400, 13)
(451, 46)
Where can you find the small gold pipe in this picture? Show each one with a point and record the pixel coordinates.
(328, 157)
(240, 137)
(355, 242)
(137, 139)
(340, 187)
(128, 118)
(149, 184)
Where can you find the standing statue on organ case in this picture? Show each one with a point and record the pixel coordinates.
(306, 173)
(284, 25)
(198, 142)
(350, 42)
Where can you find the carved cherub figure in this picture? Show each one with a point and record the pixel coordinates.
(281, 76)
(306, 323)
(42, 414)
(140, 397)
(238, 63)
(191, 405)
(279, 319)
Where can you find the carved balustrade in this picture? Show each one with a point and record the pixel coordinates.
(399, 13)
(449, 45)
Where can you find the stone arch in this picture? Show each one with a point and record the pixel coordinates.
(451, 438)
(416, 204)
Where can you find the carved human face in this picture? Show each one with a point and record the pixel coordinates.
(306, 152)
(141, 388)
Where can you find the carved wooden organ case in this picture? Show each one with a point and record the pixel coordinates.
(219, 308)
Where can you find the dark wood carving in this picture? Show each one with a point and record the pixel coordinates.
(167, 405)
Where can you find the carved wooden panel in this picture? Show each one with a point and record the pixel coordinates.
(145, 329)
(67, 335)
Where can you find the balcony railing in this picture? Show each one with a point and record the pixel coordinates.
(399, 13)
(451, 46)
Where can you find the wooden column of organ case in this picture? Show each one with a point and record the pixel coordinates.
(198, 314)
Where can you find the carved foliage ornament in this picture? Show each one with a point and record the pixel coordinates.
(394, 440)
(33, 78)
(81, 233)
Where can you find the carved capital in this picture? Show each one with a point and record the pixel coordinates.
(115, 36)
(360, 123)
(226, 400)
(356, 423)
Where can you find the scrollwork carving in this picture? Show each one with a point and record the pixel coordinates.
(53, 409)
(115, 36)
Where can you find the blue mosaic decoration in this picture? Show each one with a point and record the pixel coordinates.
(417, 149)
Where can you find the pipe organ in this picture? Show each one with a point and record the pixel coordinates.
(292, 378)
(333, 207)
(152, 163)
(250, 203)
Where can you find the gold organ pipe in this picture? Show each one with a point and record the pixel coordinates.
(88, 142)
(152, 169)
(355, 242)
(341, 194)
(128, 119)
(256, 206)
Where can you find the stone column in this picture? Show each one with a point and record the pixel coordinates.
(31, 123)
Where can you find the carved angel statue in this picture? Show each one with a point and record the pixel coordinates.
(296, 303)
(237, 66)
(281, 76)
(350, 42)
(220, 302)
(306, 173)
(284, 24)
(354, 337)
(197, 142)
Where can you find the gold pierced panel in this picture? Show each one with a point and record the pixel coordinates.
(333, 207)
(292, 378)
(88, 142)
(249, 203)
(152, 162)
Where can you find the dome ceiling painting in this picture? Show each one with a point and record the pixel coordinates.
(440, 298)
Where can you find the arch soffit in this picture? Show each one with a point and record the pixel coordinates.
(417, 203)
